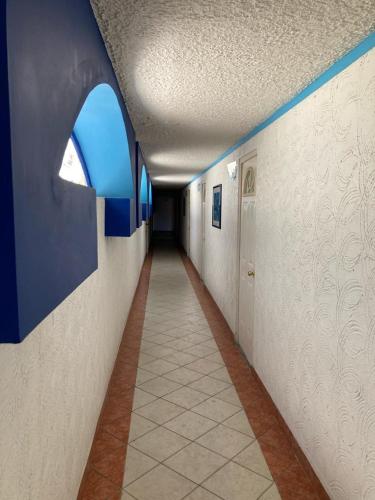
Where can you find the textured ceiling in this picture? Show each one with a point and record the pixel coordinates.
(199, 74)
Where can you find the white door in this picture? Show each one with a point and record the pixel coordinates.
(203, 226)
(247, 255)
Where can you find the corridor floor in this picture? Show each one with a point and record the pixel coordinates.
(187, 434)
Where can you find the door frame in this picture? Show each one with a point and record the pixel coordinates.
(187, 221)
(244, 158)
(203, 229)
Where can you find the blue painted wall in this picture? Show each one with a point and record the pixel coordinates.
(140, 164)
(52, 57)
(144, 185)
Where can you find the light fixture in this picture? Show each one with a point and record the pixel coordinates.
(232, 170)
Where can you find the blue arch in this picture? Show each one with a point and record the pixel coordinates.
(144, 185)
(101, 134)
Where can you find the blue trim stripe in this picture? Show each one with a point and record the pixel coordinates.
(349, 58)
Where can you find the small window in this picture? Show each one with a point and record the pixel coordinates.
(72, 169)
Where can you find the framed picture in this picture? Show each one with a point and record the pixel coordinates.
(216, 206)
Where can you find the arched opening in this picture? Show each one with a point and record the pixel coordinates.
(144, 193)
(98, 155)
(99, 136)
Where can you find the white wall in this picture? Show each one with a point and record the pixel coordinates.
(53, 384)
(314, 341)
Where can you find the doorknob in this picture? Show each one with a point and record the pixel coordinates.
(251, 273)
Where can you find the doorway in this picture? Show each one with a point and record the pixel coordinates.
(203, 229)
(187, 221)
(247, 235)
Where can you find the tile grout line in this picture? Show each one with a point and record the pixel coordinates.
(214, 317)
(240, 409)
(139, 301)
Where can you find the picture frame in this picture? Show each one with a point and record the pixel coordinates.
(216, 206)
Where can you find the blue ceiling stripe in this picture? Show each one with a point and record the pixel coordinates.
(348, 59)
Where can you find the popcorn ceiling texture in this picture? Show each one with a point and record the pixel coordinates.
(314, 320)
(197, 75)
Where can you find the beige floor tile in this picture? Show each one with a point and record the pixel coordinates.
(127, 496)
(239, 422)
(160, 386)
(146, 344)
(148, 334)
(216, 357)
(195, 462)
(160, 366)
(233, 482)
(143, 376)
(200, 350)
(180, 358)
(159, 351)
(180, 344)
(190, 425)
(156, 327)
(178, 333)
(252, 458)
(216, 409)
(186, 397)
(139, 426)
(196, 338)
(203, 366)
(211, 343)
(209, 385)
(230, 396)
(160, 443)
(271, 494)
(222, 374)
(136, 465)
(144, 359)
(161, 484)
(141, 398)
(225, 441)
(161, 339)
(160, 411)
(201, 494)
(183, 375)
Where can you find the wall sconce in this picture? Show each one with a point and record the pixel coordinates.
(232, 170)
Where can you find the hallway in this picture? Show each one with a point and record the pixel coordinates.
(187, 263)
(189, 433)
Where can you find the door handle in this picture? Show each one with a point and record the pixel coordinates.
(251, 273)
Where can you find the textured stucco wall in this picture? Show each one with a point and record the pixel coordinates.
(314, 340)
(53, 384)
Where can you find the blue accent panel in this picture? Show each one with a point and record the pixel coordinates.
(144, 211)
(9, 299)
(339, 66)
(137, 183)
(101, 134)
(144, 184)
(140, 183)
(119, 217)
(52, 57)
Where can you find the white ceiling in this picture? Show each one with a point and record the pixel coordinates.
(197, 75)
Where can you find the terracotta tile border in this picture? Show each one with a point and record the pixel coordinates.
(104, 472)
(292, 472)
